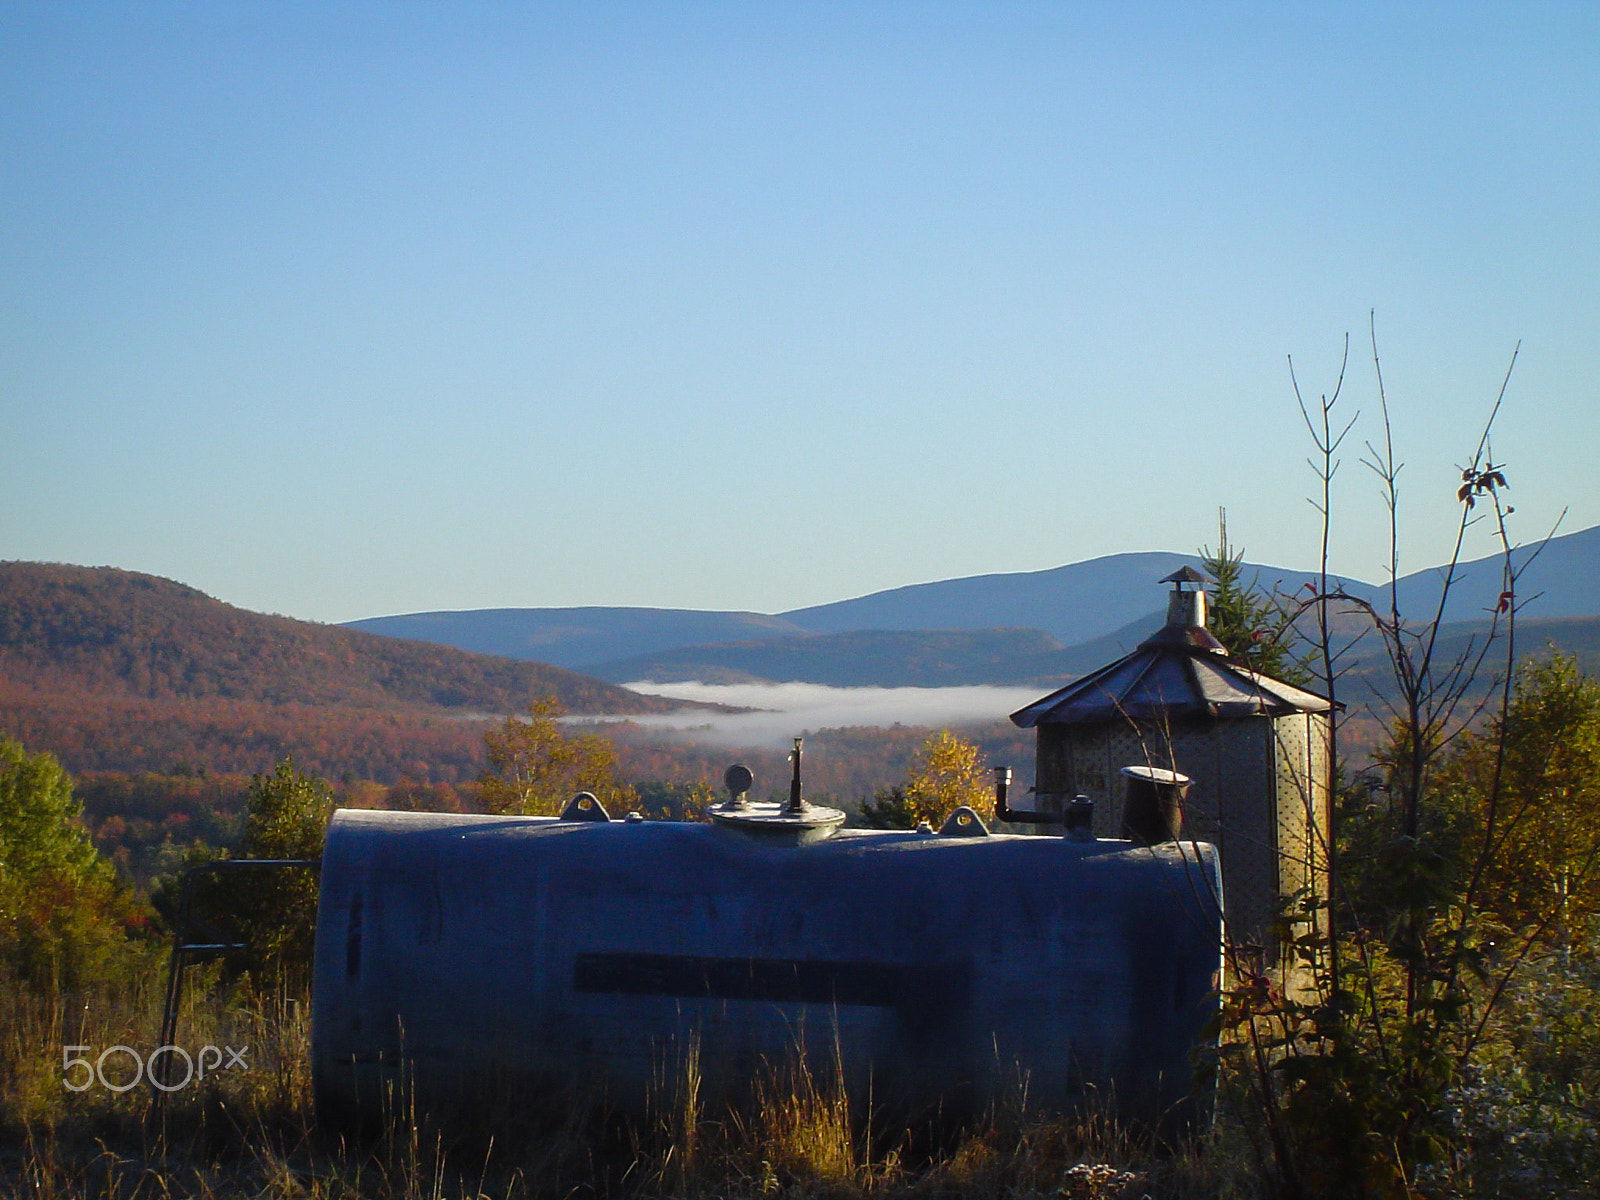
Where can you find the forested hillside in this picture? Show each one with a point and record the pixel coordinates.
(98, 629)
(113, 670)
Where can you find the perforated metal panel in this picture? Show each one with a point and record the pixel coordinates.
(1319, 733)
(1246, 818)
(1304, 802)
(1292, 781)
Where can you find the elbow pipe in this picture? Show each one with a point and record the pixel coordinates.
(1075, 820)
(1003, 812)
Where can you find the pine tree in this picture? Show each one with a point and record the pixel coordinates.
(1252, 625)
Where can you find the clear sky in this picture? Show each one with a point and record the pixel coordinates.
(339, 310)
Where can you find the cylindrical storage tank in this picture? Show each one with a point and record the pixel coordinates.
(500, 964)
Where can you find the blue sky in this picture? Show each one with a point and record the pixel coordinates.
(340, 310)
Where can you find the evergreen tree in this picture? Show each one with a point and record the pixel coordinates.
(271, 911)
(888, 809)
(62, 911)
(1253, 625)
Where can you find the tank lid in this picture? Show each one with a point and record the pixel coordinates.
(775, 824)
(1155, 775)
(796, 823)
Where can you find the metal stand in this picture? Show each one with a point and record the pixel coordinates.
(191, 940)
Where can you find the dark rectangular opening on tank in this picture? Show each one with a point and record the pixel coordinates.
(792, 980)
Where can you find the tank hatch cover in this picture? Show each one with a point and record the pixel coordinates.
(776, 825)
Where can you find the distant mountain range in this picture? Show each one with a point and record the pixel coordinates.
(114, 670)
(1026, 627)
(573, 637)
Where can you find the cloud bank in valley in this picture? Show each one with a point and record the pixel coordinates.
(787, 710)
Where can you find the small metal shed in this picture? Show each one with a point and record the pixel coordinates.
(1255, 748)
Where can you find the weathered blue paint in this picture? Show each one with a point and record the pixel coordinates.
(500, 962)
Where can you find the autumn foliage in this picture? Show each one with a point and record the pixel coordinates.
(535, 766)
(62, 909)
(116, 671)
(946, 773)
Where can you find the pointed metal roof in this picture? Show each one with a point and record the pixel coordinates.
(1179, 672)
(1168, 682)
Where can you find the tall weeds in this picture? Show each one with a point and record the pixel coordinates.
(252, 1132)
(1357, 1084)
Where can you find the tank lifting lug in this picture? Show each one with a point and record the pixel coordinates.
(585, 806)
(964, 822)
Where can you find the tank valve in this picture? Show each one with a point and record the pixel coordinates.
(1079, 819)
(795, 823)
(797, 802)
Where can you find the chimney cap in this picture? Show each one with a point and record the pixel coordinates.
(1184, 575)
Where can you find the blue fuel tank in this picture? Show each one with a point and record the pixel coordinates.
(500, 965)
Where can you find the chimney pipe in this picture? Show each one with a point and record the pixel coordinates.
(1186, 610)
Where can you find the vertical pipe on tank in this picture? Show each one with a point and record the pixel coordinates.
(1078, 824)
(1152, 806)
(797, 802)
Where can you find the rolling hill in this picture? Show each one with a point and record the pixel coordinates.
(1560, 582)
(576, 637)
(117, 670)
(1088, 600)
(1068, 604)
(96, 629)
(867, 658)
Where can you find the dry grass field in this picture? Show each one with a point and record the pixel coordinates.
(251, 1132)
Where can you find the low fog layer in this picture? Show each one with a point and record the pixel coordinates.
(789, 709)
